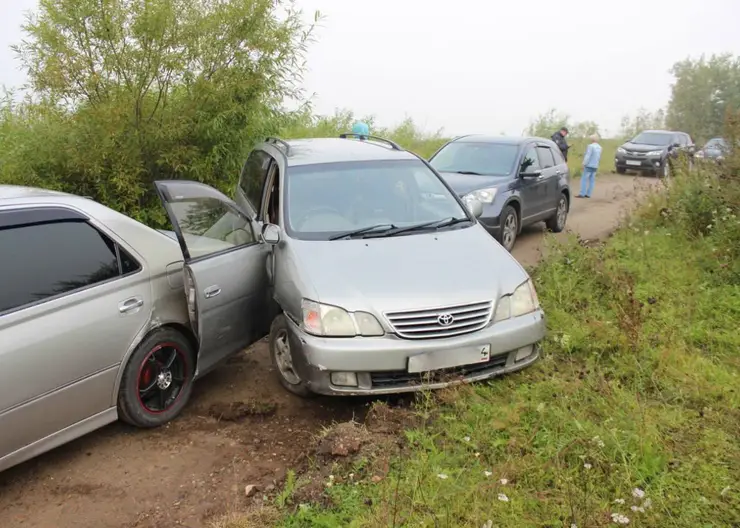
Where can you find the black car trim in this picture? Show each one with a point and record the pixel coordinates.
(39, 215)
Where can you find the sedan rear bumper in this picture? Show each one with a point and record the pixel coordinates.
(381, 365)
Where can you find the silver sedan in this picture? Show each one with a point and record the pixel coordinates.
(99, 318)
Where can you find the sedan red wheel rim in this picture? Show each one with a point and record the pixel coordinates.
(161, 379)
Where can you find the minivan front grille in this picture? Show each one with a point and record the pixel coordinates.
(441, 322)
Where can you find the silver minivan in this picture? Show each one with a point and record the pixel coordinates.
(380, 280)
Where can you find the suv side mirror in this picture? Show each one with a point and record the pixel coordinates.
(531, 174)
(270, 234)
(676, 145)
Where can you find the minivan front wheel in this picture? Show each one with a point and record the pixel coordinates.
(509, 228)
(282, 358)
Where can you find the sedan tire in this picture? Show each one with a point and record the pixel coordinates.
(157, 379)
(281, 356)
(556, 223)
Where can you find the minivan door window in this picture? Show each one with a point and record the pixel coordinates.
(252, 181)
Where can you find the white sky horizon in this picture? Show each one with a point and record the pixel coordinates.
(488, 66)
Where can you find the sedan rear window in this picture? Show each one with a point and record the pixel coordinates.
(490, 159)
(325, 199)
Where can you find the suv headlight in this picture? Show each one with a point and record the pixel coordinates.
(333, 321)
(523, 301)
(620, 150)
(699, 154)
(485, 196)
(655, 153)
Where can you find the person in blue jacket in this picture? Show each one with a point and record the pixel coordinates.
(590, 165)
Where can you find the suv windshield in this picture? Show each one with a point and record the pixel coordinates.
(654, 138)
(328, 199)
(490, 159)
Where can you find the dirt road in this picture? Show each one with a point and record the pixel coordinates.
(197, 467)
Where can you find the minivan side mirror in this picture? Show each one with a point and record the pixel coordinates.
(271, 234)
(475, 207)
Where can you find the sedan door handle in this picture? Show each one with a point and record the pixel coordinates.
(212, 291)
(129, 305)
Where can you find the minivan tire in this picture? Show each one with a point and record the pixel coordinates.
(282, 358)
(153, 352)
(509, 228)
(556, 223)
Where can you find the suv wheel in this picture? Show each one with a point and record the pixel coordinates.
(556, 223)
(665, 172)
(509, 228)
(282, 358)
(621, 170)
(157, 380)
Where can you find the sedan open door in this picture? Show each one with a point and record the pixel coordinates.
(225, 272)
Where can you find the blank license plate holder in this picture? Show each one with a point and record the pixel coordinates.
(441, 359)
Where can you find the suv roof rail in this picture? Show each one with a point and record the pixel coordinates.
(362, 137)
(281, 142)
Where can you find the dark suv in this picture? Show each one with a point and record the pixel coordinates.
(652, 151)
(519, 181)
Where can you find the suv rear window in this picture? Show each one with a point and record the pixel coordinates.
(55, 258)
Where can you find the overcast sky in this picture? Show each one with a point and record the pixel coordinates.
(472, 66)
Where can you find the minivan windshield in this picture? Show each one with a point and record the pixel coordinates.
(653, 138)
(324, 200)
(490, 159)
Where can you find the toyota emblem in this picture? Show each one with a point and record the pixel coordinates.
(445, 319)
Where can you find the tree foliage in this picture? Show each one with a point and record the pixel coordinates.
(130, 91)
(704, 92)
(546, 124)
(642, 120)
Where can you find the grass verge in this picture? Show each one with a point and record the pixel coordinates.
(632, 415)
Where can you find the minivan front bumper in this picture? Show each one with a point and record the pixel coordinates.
(380, 364)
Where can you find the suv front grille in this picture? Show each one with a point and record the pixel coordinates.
(441, 322)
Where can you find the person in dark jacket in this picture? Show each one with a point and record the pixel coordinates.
(559, 139)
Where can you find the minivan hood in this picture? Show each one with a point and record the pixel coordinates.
(465, 183)
(638, 147)
(425, 270)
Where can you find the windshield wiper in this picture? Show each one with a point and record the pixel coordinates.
(469, 172)
(437, 224)
(357, 232)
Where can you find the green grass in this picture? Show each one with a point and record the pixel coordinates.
(638, 387)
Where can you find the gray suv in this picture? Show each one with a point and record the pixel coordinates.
(519, 181)
(653, 151)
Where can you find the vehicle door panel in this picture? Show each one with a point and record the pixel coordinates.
(547, 190)
(225, 275)
(529, 187)
(61, 354)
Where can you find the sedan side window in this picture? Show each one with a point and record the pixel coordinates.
(209, 225)
(530, 161)
(51, 259)
(546, 159)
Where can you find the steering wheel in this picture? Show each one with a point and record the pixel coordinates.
(319, 209)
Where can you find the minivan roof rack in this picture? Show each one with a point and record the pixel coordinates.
(281, 142)
(361, 137)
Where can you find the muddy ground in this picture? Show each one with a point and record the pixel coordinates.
(240, 428)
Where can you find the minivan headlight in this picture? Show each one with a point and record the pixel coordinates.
(482, 195)
(523, 301)
(333, 321)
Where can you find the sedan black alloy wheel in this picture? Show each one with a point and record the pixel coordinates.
(162, 375)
